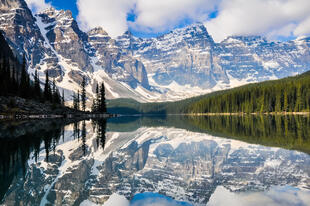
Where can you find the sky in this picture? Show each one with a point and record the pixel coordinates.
(275, 19)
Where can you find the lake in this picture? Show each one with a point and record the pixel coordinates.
(157, 160)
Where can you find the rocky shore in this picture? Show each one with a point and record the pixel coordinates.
(19, 108)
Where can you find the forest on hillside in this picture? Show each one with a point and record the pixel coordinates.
(15, 80)
(286, 95)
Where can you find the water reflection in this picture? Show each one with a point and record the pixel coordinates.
(164, 160)
(19, 141)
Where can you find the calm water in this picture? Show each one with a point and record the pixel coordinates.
(169, 161)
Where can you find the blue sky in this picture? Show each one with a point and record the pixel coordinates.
(66, 5)
(276, 19)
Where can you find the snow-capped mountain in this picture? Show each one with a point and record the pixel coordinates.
(53, 42)
(183, 63)
(190, 57)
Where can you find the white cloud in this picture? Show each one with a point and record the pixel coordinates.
(303, 28)
(272, 18)
(262, 17)
(158, 15)
(111, 15)
(37, 5)
(276, 196)
(161, 15)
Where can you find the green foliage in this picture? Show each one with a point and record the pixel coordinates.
(99, 104)
(286, 95)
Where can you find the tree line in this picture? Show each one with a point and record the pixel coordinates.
(15, 81)
(287, 95)
(99, 102)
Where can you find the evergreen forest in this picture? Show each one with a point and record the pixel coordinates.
(286, 95)
(15, 80)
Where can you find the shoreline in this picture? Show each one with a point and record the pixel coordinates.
(53, 116)
(243, 114)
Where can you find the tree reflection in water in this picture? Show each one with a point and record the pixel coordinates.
(20, 141)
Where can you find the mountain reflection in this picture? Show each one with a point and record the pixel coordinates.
(289, 132)
(184, 158)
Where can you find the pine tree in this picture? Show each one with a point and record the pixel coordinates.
(7, 76)
(93, 107)
(24, 80)
(53, 87)
(3, 77)
(278, 102)
(46, 87)
(15, 82)
(298, 99)
(78, 100)
(63, 98)
(74, 101)
(55, 93)
(96, 101)
(1, 74)
(285, 103)
(37, 88)
(102, 106)
(83, 94)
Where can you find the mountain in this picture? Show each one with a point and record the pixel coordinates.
(189, 57)
(183, 63)
(53, 42)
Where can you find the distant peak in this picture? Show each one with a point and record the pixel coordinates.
(48, 10)
(128, 33)
(246, 39)
(97, 30)
(51, 12)
(195, 26)
(196, 30)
